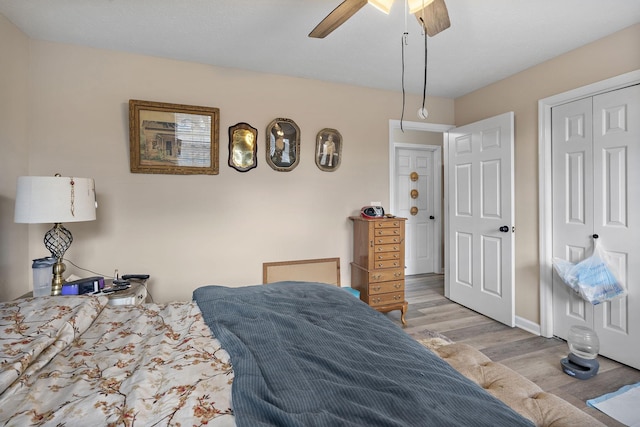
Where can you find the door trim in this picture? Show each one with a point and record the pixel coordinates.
(426, 127)
(545, 202)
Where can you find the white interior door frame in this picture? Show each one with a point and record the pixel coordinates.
(426, 127)
(545, 201)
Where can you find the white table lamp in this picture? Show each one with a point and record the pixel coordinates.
(55, 199)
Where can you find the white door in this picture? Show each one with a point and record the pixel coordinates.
(416, 200)
(481, 217)
(596, 176)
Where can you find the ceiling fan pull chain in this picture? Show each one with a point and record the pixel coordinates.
(402, 40)
(423, 111)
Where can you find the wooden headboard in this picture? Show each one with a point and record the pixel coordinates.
(324, 270)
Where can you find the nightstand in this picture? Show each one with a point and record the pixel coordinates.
(135, 295)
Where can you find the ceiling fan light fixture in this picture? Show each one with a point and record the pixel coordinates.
(418, 5)
(382, 5)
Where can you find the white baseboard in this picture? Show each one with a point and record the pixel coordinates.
(528, 325)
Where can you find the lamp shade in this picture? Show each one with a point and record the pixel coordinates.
(55, 199)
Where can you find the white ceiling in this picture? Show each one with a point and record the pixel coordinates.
(487, 41)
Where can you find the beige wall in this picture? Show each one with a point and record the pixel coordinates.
(191, 230)
(68, 113)
(608, 57)
(14, 54)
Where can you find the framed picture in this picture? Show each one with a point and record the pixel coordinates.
(173, 138)
(328, 149)
(243, 147)
(283, 144)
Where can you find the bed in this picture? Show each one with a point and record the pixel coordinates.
(286, 354)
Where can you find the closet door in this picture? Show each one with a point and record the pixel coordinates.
(616, 185)
(572, 163)
(596, 190)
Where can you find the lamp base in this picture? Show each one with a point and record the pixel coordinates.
(58, 280)
(57, 241)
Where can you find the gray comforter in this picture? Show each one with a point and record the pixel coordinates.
(309, 354)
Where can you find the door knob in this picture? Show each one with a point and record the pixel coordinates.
(504, 229)
(432, 217)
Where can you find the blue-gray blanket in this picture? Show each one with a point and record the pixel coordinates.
(309, 354)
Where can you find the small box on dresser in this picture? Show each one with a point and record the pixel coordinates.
(377, 270)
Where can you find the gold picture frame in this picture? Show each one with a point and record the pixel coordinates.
(328, 149)
(283, 145)
(173, 139)
(243, 147)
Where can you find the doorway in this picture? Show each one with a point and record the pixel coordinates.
(417, 147)
(491, 290)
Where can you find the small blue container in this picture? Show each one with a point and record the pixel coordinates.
(354, 292)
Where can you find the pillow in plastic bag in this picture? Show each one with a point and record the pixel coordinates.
(592, 277)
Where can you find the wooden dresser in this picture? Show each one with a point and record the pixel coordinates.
(377, 270)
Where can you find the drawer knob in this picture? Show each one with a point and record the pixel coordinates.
(397, 274)
(376, 288)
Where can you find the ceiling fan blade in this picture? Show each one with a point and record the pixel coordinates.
(337, 17)
(435, 16)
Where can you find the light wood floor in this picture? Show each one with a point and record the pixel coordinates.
(534, 357)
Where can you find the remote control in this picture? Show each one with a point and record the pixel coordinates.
(135, 276)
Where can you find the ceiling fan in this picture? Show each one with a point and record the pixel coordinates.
(431, 14)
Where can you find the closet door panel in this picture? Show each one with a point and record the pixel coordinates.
(616, 146)
(572, 151)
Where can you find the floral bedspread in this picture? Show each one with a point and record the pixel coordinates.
(76, 361)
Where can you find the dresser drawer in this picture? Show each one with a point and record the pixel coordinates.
(395, 247)
(385, 287)
(386, 275)
(387, 224)
(390, 263)
(381, 256)
(384, 299)
(387, 232)
(385, 240)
